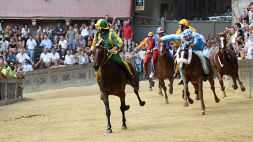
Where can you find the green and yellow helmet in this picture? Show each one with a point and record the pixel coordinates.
(102, 24)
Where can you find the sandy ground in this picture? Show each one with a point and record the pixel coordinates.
(77, 114)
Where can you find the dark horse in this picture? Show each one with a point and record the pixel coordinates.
(193, 73)
(224, 61)
(164, 68)
(112, 81)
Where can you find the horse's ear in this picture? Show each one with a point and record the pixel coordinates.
(99, 42)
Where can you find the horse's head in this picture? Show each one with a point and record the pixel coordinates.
(222, 42)
(100, 54)
(162, 47)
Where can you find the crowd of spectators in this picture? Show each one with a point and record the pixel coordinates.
(57, 46)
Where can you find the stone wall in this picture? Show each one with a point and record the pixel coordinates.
(70, 76)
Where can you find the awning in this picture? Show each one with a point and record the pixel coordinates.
(62, 9)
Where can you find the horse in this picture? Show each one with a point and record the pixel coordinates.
(225, 62)
(112, 81)
(193, 72)
(164, 69)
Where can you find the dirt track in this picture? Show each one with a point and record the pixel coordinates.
(77, 114)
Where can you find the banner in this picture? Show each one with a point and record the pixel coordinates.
(139, 5)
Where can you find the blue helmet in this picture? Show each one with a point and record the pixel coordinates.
(187, 33)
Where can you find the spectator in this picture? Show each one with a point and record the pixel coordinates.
(69, 59)
(84, 58)
(27, 66)
(89, 42)
(138, 64)
(21, 56)
(76, 29)
(46, 43)
(4, 44)
(127, 34)
(44, 56)
(116, 26)
(208, 48)
(70, 36)
(24, 33)
(128, 54)
(232, 38)
(31, 44)
(16, 31)
(63, 43)
(59, 30)
(53, 56)
(92, 31)
(80, 42)
(11, 57)
(78, 52)
(13, 45)
(47, 30)
(84, 31)
(250, 13)
(62, 55)
(55, 40)
(56, 65)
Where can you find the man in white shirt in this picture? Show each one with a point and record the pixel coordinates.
(53, 56)
(21, 56)
(31, 43)
(69, 59)
(63, 42)
(45, 56)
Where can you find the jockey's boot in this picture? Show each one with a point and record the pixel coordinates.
(180, 82)
(205, 77)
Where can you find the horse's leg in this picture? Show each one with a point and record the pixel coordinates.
(164, 89)
(171, 79)
(150, 83)
(123, 108)
(221, 84)
(195, 85)
(108, 113)
(234, 77)
(240, 83)
(160, 89)
(185, 93)
(200, 93)
(136, 91)
(211, 81)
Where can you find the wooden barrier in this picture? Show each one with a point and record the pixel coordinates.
(10, 91)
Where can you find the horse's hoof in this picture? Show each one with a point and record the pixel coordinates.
(235, 87)
(171, 91)
(127, 107)
(142, 103)
(150, 89)
(123, 127)
(217, 100)
(197, 98)
(109, 131)
(186, 104)
(166, 102)
(190, 101)
(160, 93)
(203, 113)
(243, 89)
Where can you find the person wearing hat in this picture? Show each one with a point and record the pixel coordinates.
(190, 40)
(149, 44)
(113, 43)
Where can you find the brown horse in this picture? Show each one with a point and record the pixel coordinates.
(164, 68)
(112, 81)
(225, 62)
(193, 73)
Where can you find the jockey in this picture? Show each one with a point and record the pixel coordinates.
(183, 25)
(159, 33)
(113, 43)
(149, 44)
(196, 42)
